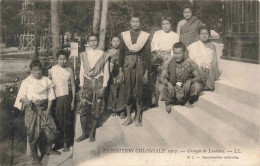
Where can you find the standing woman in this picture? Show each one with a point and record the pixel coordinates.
(115, 102)
(63, 79)
(188, 27)
(203, 53)
(161, 47)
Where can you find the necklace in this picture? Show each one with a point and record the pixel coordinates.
(180, 71)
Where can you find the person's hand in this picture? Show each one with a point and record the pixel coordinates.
(101, 93)
(145, 78)
(121, 75)
(72, 105)
(179, 84)
(81, 91)
(154, 56)
(26, 102)
(48, 112)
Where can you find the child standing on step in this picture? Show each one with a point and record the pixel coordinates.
(63, 79)
(115, 102)
(35, 96)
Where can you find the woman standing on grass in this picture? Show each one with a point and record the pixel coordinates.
(63, 79)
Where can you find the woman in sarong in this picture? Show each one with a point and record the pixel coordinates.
(115, 102)
(94, 76)
(161, 47)
(188, 27)
(63, 79)
(203, 53)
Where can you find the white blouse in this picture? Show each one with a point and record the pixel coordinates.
(93, 56)
(164, 41)
(35, 89)
(60, 77)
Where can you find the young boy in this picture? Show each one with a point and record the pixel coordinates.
(35, 96)
(94, 75)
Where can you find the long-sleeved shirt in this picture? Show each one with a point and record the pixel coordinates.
(164, 41)
(145, 52)
(93, 56)
(35, 89)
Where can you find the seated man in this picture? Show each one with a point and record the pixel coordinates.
(181, 80)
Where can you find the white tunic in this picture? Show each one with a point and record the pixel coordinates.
(201, 55)
(93, 56)
(35, 89)
(60, 78)
(164, 41)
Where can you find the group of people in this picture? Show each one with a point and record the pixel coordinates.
(113, 80)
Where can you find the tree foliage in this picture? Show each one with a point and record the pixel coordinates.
(77, 16)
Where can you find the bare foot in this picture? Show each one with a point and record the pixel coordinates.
(81, 138)
(188, 104)
(122, 115)
(128, 121)
(92, 139)
(52, 152)
(169, 108)
(34, 162)
(65, 148)
(113, 114)
(138, 123)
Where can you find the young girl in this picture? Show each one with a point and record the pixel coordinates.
(63, 79)
(115, 103)
(94, 75)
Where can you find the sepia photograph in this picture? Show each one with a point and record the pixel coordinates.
(129, 83)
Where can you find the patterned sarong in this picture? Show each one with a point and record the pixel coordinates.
(37, 121)
(89, 101)
(189, 31)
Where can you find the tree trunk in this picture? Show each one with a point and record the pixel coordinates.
(55, 27)
(37, 43)
(103, 24)
(96, 18)
(1, 39)
(62, 40)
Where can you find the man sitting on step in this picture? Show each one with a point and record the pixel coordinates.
(181, 80)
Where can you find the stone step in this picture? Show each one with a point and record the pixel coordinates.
(229, 116)
(159, 121)
(240, 94)
(208, 129)
(107, 136)
(242, 110)
(142, 137)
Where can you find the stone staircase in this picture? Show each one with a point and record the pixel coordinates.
(227, 118)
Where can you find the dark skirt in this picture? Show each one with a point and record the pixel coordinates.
(133, 81)
(115, 102)
(64, 117)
